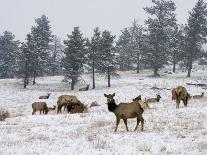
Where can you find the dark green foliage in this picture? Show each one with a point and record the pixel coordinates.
(196, 32)
(159, 27)
(8, 52)
(74, 56)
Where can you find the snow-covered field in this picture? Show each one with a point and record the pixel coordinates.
(167, 130)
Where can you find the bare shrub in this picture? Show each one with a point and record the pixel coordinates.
(3, 114)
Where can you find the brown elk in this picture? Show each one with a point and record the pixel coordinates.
(181, 94)
(64, 100)
(143, 104)
(151, 100)
(125, 111)
(84, 88)
(45, 97)
(198, 96)
(41, 106)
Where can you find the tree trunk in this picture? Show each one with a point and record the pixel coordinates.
(72, 84)
(190, 64)
(93, 75)
(189, 72)
(34, 77)
(26, 75)
(174, 67)
(109, 77)
(138, 64)
(156, 72)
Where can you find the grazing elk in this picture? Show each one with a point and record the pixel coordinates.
(181, 94)
(41, 106)
(125, 111)
(45, 97)
(198, 96)
(65, 100)
(85, 88)
(151, 100)
(76, 107)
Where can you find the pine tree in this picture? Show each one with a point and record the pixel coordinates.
(177, 45)
(159, 26)
(123, 47)
(25, 59)
(74, 56)
(106, 63)
(8, 52)
(196, 32)
(56, 54)
(94, 48)
(41, 36)
(137, 40)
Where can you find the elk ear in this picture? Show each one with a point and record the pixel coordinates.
(105, 95)
(113, 94)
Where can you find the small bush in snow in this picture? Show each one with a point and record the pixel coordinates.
(3, 114)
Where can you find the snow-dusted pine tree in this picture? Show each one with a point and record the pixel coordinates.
(123, 48)
(56, 54)
(196, 32)
(94, 48)
(159, 25)
(8, 52)
(177, 45)
(106, 56)
(74, 56)
(25, 60)
(137, 43)
(41, 36)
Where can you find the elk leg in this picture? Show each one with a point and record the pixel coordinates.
(177, 103)
(125, 122)
(117, 123)
(142, 122)
(185, 102)
(40, 112)
(137, 124)
(59, 108)
(33, 112)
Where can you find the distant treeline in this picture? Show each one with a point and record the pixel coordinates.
(159, 42)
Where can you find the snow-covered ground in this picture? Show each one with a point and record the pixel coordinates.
(167, 130)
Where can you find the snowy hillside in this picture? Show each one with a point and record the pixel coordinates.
(167, 130)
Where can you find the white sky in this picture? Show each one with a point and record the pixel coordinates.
(18, 16)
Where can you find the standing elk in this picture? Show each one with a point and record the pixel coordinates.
(45, 97)
(41, 106)
(181, 94)
(125, 111)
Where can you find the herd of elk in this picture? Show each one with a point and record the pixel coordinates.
(123, 111)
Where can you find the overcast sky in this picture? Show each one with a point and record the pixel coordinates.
(18, 16)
